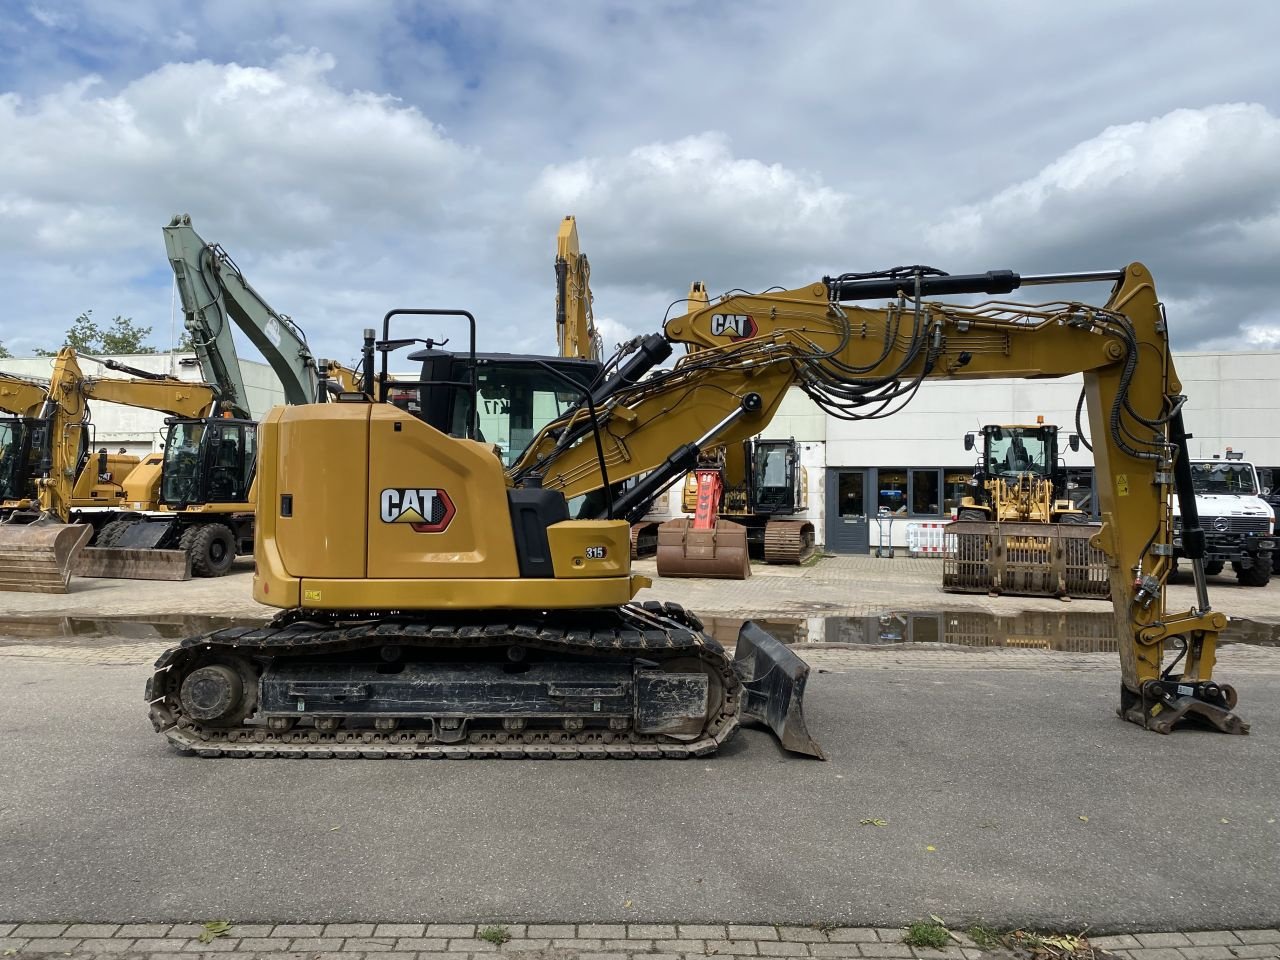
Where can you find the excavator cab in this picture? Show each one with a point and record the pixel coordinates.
(208, 461)
(775, 475)
(19, 451)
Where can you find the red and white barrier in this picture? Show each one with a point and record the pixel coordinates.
(927, 539)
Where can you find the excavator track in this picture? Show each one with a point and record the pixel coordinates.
(652, 632)
(788, 541)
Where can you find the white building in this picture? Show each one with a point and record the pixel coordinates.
(917, 456)
(137, 431)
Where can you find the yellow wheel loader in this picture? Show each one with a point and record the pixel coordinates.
(1016, 530)
(434, 604)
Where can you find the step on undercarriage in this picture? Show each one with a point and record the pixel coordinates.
(640, 681)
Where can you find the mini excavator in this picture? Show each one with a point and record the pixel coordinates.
(436, 604)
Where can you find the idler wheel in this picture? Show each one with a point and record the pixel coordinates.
(211, 693)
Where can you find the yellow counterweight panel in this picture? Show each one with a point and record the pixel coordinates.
(590, 548)
(313, 491)
(142, 485)
(437, 505)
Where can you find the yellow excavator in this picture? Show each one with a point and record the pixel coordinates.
(434, 604)
(1017, 531)
(55, 479)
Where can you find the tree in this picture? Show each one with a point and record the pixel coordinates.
(123, 336)
(3, 351)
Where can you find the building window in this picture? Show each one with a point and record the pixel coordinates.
(892, 490)
(924, 492)
(955, 487)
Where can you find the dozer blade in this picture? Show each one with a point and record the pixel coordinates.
(773, 681)
(133, 563)
(719, 554)
(36, 557)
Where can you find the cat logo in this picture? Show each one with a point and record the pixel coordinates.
(738, 326)
(426, 509)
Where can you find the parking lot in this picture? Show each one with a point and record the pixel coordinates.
(1008, 790)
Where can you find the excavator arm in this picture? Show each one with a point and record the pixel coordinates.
(21, 396)
(856, 362)
(575, 325)
(215, 295)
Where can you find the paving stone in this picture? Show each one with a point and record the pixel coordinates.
(316, 945)
(578, 943)
(1155, 953)
(263, 944)
(617, 956)
(286, 955)
(185, 930)
(973, 953)
(292, 930)
(219, 946)
(7, 928)
(106, 945)
(473, 946)
(649, 931)
(852, 935)
(11, 943)
(942, 953)
(552, 930)
(836, 950)
(531, 943)
(421, 943)
(802, 934)
(369, 944)
(150, 930)
(1121, 941)
(250, 929)
(164, 944)
(740, 948)
(1254, 951)
(680, 946)
(1219, 952)
(399, 929)
(782, 949)
(890, 934)
(701, 931)
(601, 931)
(451, 930)
(83, 930)
(892, 950)
(1163, 939)
(40, 930)
(432, 955)
(51, 944)
(1245, 936)
(752, 931)
(627, 946)
(1209, 938)
(846, 949)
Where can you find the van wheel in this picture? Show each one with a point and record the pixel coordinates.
(111, 532)
(211, 547)
(1213, 567)
(1258, 575)
(969, 513)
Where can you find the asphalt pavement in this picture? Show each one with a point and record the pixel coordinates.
(1009, 796)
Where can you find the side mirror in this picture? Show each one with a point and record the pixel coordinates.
(968, 441)
(1073, 441)
(997, 433)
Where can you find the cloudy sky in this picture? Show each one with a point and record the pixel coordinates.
(355, 155)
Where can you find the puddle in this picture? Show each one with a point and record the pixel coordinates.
(76, 630)
(1073, 632)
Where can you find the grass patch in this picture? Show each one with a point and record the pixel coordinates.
(825, 926)
(985, 938)
(927, 934)
(495, 934)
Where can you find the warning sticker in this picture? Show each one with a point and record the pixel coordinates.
(1122, 484)
(313, 595)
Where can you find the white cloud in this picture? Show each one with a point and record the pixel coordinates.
(662, 210)
(278, 148)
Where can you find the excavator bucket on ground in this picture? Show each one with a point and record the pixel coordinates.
(1027, 559)
(773, 681)
(720, 553)
(37, 557)
(133, 563)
